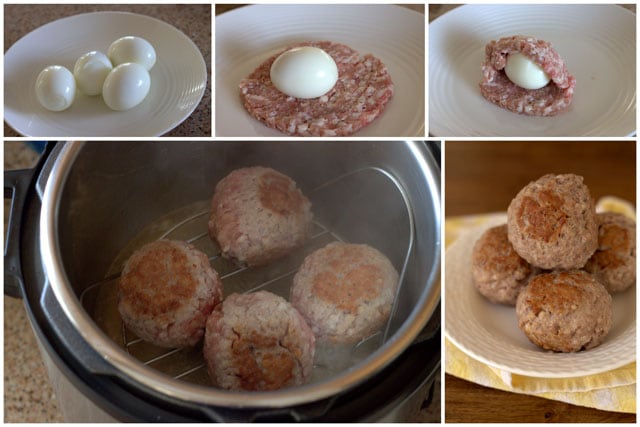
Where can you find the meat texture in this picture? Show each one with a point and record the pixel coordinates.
(166, 291)
(363, 89)
(546, 101)
(552, 222)
(345, 291)
(565, 311)
(258, 215)
(614, 262)
(497, 271)
(258, 342)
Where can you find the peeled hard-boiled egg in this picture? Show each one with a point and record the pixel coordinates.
(55, 88)
(524, 72)
(126, 86)
(90, 71)
(304, 72)
(132, 49)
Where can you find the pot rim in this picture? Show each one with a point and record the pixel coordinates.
(126, 365)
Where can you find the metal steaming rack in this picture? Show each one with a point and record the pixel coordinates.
(100, 300)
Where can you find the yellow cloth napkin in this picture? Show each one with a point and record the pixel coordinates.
(613, 390)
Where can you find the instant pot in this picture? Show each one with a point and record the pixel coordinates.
(86, 206)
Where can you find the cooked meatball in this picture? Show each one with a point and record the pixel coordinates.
(498, 272)
(166, 292)
(614, 262)
(345, 291)
(258, 215)
(565, 311)
(258, 341)
(552, 222)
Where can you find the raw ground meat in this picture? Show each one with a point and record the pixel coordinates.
(497, 88)
(363, 89)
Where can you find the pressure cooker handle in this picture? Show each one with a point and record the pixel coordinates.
(18, 185)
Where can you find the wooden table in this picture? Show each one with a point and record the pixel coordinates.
(467, 402)
(483, 176)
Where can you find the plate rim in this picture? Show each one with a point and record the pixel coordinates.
(568, 5)
(465, 7)
(496, 219)
(161, 129)
(420, 130)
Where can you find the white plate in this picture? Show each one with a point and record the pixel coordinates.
(245, 37)
(489, 332)
(597, 43)
(178, 79)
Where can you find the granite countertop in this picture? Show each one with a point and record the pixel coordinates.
(194, 20)
(28, 395)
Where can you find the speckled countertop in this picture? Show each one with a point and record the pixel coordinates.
(28, 396)
(194, 20)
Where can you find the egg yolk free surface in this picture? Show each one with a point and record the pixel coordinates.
(55, 88)
(90, 71)
(126, 86)
(304, 72)
(132, 49)
(525, 73)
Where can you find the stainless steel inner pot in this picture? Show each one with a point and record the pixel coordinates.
(102, 199)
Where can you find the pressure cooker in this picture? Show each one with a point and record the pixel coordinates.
(86, 205)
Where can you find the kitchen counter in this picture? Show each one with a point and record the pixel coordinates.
(194, 20)
(483, 177)
(28, 394)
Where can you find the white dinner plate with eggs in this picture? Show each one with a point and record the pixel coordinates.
(597, 43)
(178, 78)
(489, 332)
(247, 36)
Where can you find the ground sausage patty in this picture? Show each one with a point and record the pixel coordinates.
(258, 342)
(258, 215)
(345, 291)
(614, 262)
(565, 311)
(363, 89)
(552, 222)
(166, 292)
(496, 87)
(498, 272)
